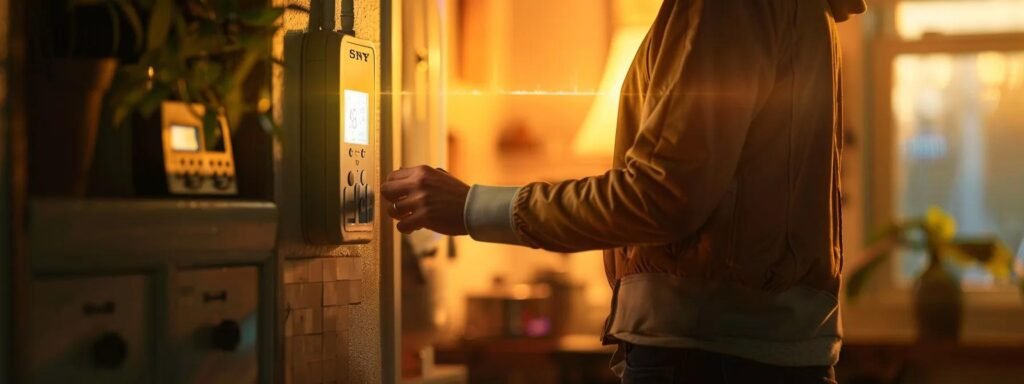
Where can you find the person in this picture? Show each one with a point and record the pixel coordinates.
(720, 218)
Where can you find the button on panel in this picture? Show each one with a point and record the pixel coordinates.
(366, 206)
(348, 205)
(90, 330)
(192, 174)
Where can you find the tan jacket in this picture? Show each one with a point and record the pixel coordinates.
(725, 187)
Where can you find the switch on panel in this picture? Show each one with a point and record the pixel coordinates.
(215, 325)
(91, 330)
(339, 92)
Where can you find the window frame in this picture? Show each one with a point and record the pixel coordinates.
(885, 46)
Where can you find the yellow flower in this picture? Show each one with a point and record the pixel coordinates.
(940, 224)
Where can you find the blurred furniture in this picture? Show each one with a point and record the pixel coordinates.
(568, 359)
(906, 363)
(442, 374)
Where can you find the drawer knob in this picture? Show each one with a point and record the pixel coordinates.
(226, 336)
(109, 351)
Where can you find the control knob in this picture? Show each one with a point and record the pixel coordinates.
(222, 181)
(109, 351)
(226, 336)
(193, 180)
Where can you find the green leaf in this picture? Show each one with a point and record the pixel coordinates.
(260, 17)
(225, 7)
(887, 233)
(115, 28)
(134, 21)
(859, 279)
(169, 74)
(200, 10)
(152, 100)
(159, 23)
(204, 74)
(200, 46)
(879, 250)
(72, 4)
(129, 87)
(989, 252)
(258, 40)
(145, 5)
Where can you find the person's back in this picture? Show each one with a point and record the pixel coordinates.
(754, 89)
(721, 214)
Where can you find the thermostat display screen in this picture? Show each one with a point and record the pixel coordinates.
(184, 138)
(357, 117)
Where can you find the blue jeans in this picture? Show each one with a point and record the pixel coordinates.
(649, 365)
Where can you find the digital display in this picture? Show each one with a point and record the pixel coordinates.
(357, 117)
(184, 138)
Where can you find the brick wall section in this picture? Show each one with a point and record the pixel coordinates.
(318, 294)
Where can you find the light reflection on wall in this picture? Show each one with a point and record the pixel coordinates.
(533, 65)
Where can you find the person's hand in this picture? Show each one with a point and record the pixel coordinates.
(425, 197)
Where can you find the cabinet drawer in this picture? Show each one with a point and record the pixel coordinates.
(91, 330)
(215, 325)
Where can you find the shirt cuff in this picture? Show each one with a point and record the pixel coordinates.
(488, 214)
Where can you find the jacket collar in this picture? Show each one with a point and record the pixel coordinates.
(842, 9)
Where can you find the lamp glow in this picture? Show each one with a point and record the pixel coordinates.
(597, 136)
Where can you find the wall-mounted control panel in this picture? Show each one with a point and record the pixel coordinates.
(91, 330)
(183, 157)
(339, 98)
(215, 326)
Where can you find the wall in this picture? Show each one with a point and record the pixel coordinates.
(527, 65)
(330, 297)
(5, 230)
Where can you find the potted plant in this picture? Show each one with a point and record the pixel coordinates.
(74, 48)
(204, 54)
(938, 298)
(198, 52)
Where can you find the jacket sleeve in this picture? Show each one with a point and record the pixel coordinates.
(711, 65)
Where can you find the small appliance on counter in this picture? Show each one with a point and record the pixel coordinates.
(519, 311)
(181, 157)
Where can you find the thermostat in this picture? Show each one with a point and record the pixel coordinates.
(339, 95)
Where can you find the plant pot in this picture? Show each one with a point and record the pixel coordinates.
(65, 103)
(938, 305)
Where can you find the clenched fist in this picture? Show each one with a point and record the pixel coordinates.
(424, 197)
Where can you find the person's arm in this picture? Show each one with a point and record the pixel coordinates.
(711, 67)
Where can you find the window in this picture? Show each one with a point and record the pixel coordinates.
(953, 121)
(916, 19)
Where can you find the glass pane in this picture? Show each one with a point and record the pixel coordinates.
(960, 144)
(917, 18)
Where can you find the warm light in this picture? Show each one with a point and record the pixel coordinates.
(597, 137)
(992, 68)
(521, 291)
(917, 18)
